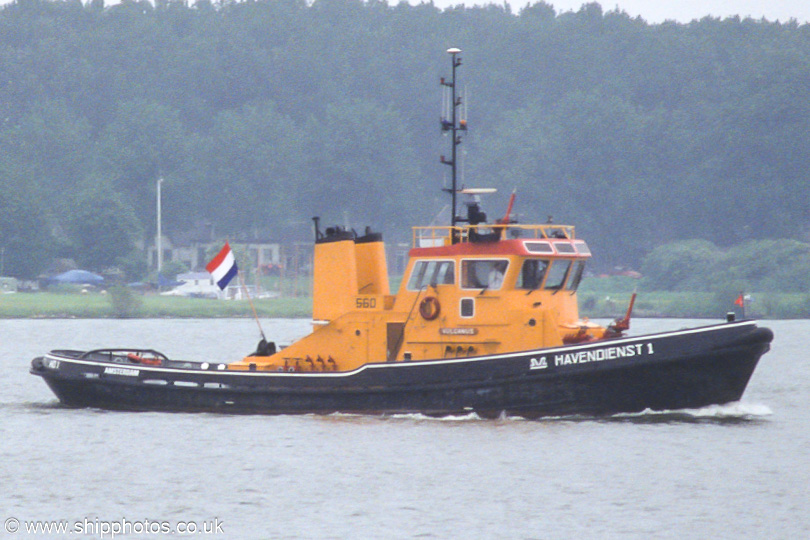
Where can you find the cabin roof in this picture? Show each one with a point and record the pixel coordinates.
(550, 247)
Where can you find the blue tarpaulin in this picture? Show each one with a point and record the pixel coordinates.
(163, 281)
(78, 276)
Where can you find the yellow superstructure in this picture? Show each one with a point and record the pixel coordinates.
(467, 291)
(335, 278)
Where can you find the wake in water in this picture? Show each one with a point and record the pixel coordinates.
(730, 413)
(34, 406)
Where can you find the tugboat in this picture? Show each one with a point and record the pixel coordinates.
(485, 320)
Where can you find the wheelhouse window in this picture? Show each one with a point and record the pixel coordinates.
(576, 275)
(539, 247)
(532, 273)
(427, 273)
(557, 273)
(483, 273)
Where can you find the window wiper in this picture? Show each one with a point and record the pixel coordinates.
(536, 286)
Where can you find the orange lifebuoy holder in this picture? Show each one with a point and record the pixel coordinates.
(429, 308)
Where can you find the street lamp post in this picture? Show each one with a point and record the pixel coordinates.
(159, 239)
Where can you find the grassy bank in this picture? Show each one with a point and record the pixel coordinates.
(609, 297)
(598, 298)
(697, 305)
(54, 305)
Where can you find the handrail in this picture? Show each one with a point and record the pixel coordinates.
(114, 352)
(443, 235)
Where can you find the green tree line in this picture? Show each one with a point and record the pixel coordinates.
(260, 114)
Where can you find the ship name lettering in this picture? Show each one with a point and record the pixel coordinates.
(599, 355)
(458, 331)
(121, 371)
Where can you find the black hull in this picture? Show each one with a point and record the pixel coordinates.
(668, 371)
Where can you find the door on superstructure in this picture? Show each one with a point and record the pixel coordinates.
(395, 333)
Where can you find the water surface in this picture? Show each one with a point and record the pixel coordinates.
(737, 471)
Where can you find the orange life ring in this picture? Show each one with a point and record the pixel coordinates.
(151, 361)
(134, 358)
(429, 308)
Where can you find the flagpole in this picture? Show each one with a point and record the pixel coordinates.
(222, 268)
(741, 302)
(250, 300)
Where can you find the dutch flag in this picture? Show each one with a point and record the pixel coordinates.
(223, 267)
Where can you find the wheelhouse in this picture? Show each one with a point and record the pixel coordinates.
(552, 259)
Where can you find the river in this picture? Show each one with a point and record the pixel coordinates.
(737, 471)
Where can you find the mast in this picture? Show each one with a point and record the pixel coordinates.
(453, 124)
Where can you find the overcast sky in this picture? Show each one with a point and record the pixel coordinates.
(655, 11)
